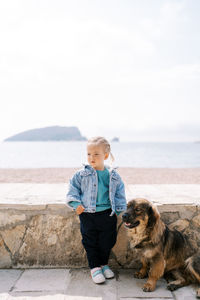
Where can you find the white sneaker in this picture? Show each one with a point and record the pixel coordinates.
(107, 272)
(97, 275)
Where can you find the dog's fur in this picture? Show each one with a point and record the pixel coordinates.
(164, 251)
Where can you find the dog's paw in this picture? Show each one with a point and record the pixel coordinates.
(172, 286)
(148, 287)
(139, 275)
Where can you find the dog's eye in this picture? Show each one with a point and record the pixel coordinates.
(137, 209)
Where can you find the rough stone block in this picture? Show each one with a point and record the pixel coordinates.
(5, 260)
(196, 221)
(121, 246)
(13, 237)
(52, 240)
(10, 218)
(184, 211)
(169, 217)
(179, 225)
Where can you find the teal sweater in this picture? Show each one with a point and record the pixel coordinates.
(102, 201)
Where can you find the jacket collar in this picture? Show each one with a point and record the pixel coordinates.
(89, 169)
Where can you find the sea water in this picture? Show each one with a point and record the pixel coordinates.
(73, 154)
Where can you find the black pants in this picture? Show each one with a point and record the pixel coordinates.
(98, 236)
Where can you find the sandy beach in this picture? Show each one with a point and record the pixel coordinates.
(129, 175)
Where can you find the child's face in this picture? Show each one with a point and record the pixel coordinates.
(96, 156)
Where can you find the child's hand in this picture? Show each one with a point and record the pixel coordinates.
(118, 213)
(80, 209)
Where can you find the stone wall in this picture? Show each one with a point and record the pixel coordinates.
(49, 235)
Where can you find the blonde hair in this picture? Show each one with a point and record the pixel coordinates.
(99, 140)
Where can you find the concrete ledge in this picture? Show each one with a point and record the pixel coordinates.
(38, 230)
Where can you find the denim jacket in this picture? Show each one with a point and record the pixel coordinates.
(83, 188)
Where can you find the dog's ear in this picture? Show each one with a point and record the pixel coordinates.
(155, 224)
(153, 216)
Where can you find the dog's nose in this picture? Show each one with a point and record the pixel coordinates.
(125, 217)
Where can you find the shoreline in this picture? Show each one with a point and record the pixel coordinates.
(129, 175)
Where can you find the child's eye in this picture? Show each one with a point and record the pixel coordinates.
(96, 154)
(88, 154)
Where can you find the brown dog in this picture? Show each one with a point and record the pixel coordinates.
(164, 251)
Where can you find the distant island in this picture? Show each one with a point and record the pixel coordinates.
(52, 133)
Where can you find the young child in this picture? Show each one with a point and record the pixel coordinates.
(97, 194)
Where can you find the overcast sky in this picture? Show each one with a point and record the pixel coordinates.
(128, 68)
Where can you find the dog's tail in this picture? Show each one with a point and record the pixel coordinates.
(193, 268)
